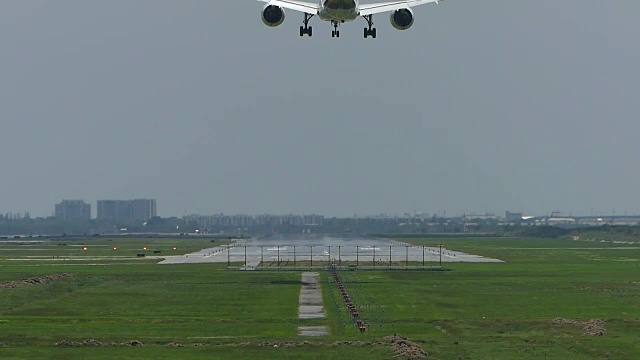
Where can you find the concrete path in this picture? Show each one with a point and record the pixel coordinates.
(311, 304)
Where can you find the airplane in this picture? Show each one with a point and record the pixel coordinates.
(341, 11)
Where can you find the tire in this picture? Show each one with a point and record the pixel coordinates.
(301, 31)
(374, 33)
(366, 33)
(310, 31)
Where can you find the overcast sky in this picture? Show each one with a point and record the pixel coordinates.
(481, 105)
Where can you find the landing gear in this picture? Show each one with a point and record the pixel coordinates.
(335, 33)
(370, 30)
(306, 29)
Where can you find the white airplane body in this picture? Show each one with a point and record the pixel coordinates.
(341, 11)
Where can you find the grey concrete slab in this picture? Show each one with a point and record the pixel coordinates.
(311, 306)
(312, 331)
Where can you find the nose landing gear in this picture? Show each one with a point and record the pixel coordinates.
(335, 33)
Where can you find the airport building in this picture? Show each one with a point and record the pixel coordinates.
(126, 210)
(73, 210)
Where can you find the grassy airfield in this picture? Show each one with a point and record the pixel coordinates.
(535, 305)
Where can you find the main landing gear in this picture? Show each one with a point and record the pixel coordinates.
(370, 31)
(335, 33)
(306, 29)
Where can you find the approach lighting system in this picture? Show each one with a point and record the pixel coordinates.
(144, 248)
(175, 248)
(115, 248)
(85, 248)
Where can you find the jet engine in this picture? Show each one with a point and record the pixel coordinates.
(272, 15)
(402, 19)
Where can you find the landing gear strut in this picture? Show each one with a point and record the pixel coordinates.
(370, 30)
(306, 29)
(335, 32)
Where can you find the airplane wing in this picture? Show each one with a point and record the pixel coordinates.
(301, 6)
(370, 9)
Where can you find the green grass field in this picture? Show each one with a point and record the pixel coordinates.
(473, 311)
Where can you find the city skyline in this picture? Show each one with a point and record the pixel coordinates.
(414, 212)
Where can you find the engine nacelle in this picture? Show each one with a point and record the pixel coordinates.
(272, 15)
(402, 19)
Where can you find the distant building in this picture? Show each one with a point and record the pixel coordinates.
(73, 210)
(243, 220)
(513, 216)
(560, 221)
(126, 210)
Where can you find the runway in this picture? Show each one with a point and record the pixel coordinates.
(320, 250)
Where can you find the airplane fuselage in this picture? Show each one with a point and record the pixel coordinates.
(339, 10)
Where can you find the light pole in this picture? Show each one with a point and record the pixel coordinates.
(440, 246)
(339, 258)
(422, 255)
(389, 256)
(311, 246)
(357, 255)
(329, 260)
(228, 256)
(374, 257)
(245, 257)
(262, 255)
(294, 256)
(278, 257)
(406, 259)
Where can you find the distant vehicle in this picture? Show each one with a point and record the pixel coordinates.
(341, 11)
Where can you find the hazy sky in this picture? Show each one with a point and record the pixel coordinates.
(482, 105)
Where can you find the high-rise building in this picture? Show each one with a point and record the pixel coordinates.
(143, 209)
(73, 210)
(127, 210)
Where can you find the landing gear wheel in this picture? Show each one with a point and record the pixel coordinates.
(310, 31)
